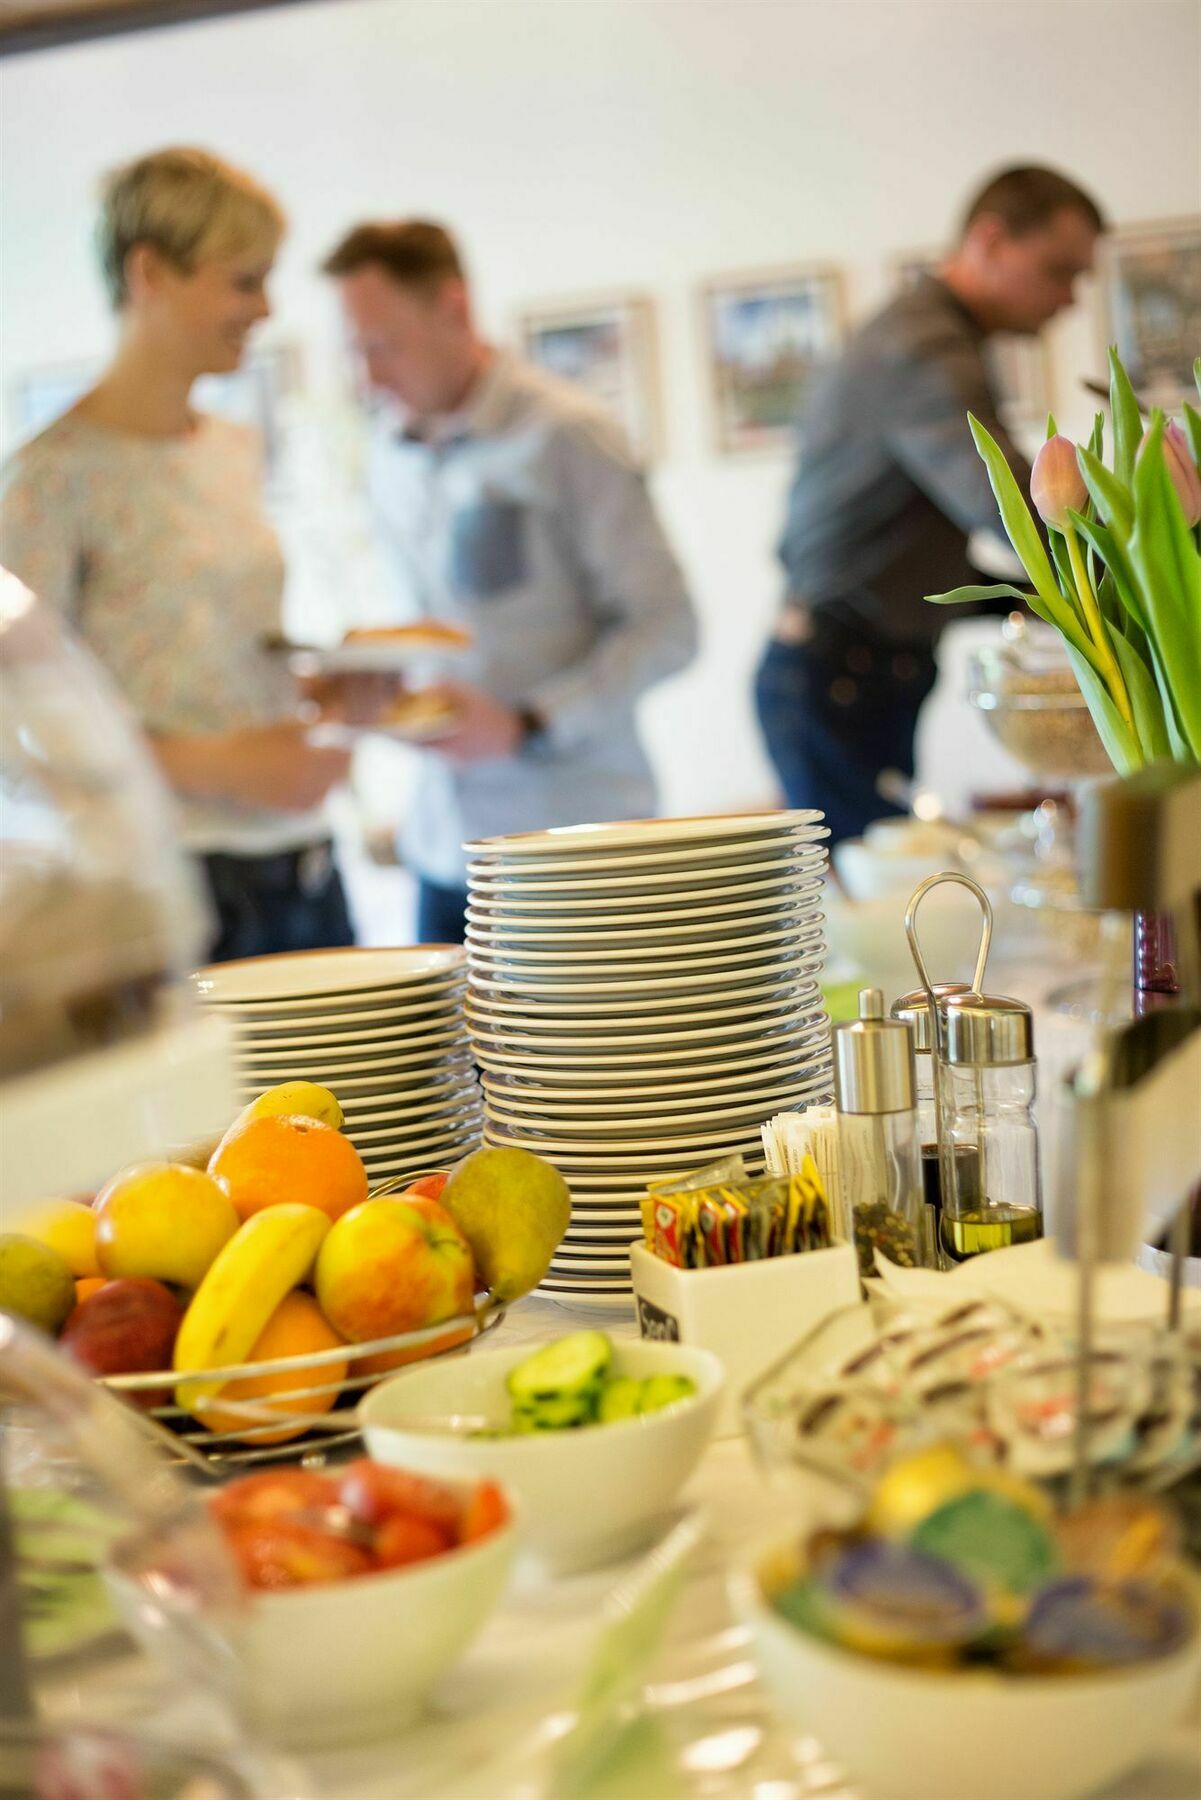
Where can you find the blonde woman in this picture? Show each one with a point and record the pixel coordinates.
(141, 519)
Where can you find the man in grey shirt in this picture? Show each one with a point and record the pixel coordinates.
(888, 489)
(513, 508)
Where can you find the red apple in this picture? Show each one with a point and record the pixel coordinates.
(126, 1327)
(429, 1187)
(396, 1264)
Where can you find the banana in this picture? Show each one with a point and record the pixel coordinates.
(264, 1260)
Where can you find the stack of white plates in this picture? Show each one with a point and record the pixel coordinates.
(383, 1028)
(641, 997)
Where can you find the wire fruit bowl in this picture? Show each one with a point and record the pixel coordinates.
(334, 1426)
(311, 1435)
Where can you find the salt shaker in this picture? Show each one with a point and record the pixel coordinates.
(991, 1194)
(878, 1150)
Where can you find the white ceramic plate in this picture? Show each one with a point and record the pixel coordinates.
(537, 910)
(617, 833)
(408, 1022)
(754, 1050)
(553, 1027)
(761, 1086)
(449, 1032)
(760, 1063)
(632, 1152)
(657, 1121)
(617, 992)
(785, 863)
(317, 974)
(486, 949)
(370, 1007)
(549, 934)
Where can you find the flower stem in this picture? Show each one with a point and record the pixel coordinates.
(1096, 626)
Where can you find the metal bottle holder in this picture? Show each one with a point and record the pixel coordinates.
(946, 1148)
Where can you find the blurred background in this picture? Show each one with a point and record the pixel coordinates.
(680, 201)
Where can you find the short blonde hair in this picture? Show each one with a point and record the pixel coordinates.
(190, 206)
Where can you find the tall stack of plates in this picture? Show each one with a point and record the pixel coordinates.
(383, 1028)
(641, 997)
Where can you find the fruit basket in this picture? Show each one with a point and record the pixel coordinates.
(281, 1427)
(312, 1413)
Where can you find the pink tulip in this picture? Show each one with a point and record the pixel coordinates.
(1056, 484)
(1186, 479)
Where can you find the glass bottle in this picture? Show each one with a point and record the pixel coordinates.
(878, 1151)
(914, 1010)
(991, 1192)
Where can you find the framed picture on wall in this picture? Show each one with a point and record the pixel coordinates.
(1150, 290)
(764, 336)
(1021, 367)
(606, 344)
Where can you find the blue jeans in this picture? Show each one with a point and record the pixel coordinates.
(441, 913)
(836, 712)
(264, 904)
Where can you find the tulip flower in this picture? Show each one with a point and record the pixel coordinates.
(1185, 476)
(1056, 484)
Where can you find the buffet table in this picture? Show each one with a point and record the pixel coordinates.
(706, 1729)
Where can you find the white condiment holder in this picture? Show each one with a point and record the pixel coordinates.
(748, 1314)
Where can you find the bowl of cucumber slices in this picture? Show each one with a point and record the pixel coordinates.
(595, 1437)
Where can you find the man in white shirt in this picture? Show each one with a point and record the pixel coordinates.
(513, 507)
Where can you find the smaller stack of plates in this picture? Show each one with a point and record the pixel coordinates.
(642, 996)
(384, 1029)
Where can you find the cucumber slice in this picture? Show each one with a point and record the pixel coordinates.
(570, 1366)
(659, 1391)
(559, 1412)
(619, 1399)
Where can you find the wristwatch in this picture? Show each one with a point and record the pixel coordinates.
(533, 727)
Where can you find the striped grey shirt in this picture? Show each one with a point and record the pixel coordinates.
(889, 485)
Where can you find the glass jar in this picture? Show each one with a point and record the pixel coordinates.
(913, 1009)
(991, 1190)
(878, 1150)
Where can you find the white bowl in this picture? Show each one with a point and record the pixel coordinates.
(919, 1734)
(345, 1661)
(586, 1496)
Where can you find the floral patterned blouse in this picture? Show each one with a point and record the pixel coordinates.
(159, 553)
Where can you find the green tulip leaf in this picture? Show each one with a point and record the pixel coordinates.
(1192, 425)
(1110, 496)
(1121, 746)
(1145, 702)
(1197, 374)
(1074, 637)
(1115, 555)
(1168, 563)
(1052, 427)
(1016, 515)
(1001, 590)
(1096, 442)
(1127, 419)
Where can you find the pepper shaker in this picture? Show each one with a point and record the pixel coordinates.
(878, 1150)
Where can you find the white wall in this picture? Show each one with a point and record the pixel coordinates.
(630, 144)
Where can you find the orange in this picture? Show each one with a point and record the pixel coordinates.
(87, 1285)
(297, 1327)
(285, 1158)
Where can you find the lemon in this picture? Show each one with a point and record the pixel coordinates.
(35, 1282)
(69, 1227)
(295, 1099)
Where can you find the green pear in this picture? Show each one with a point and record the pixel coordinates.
(35, 1282)
(513, 1208)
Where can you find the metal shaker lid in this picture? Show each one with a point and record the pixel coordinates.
(873, 1060)
(984, 1029)
(914, 1009)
